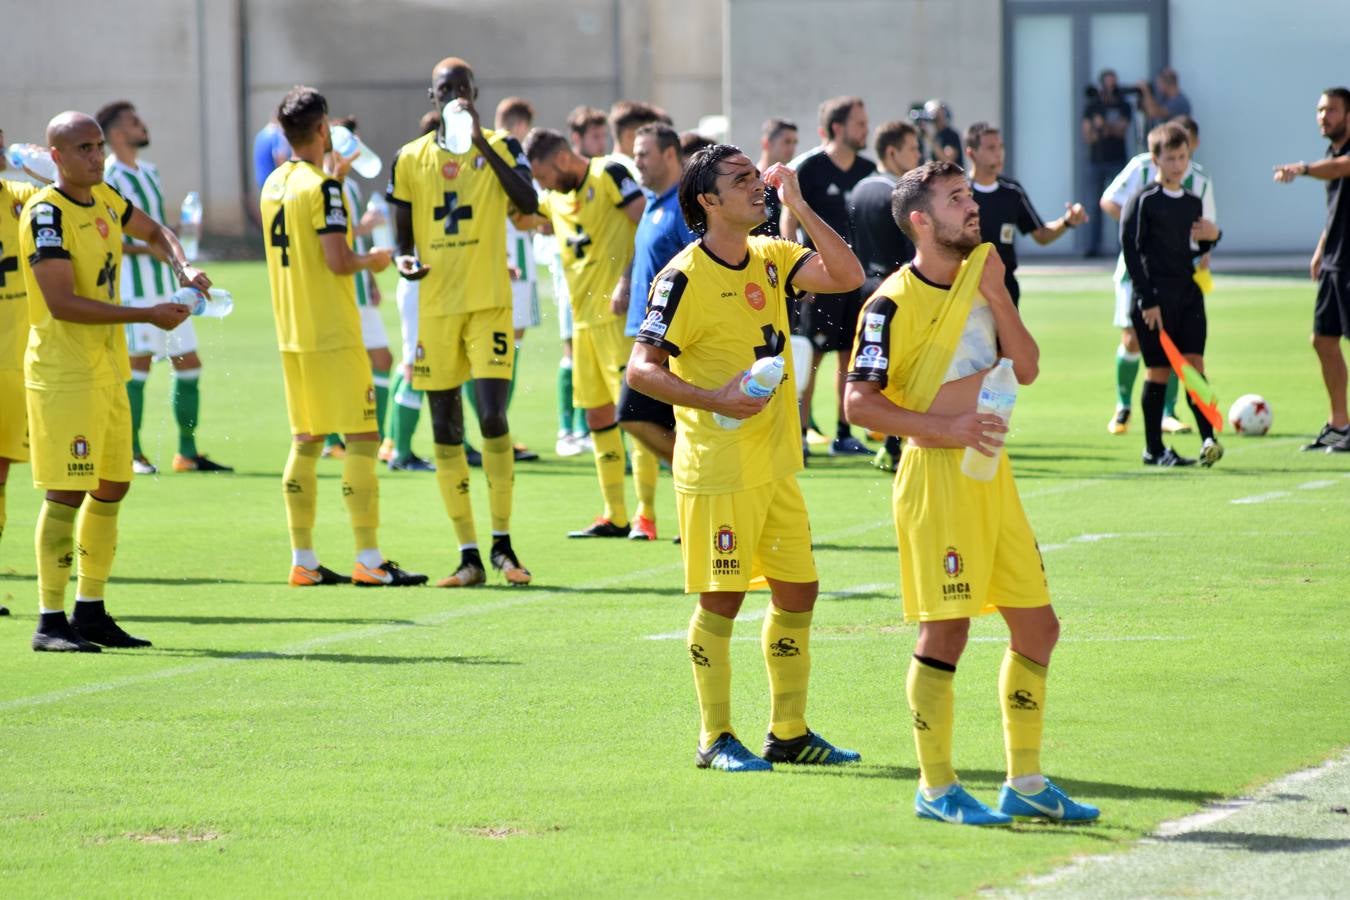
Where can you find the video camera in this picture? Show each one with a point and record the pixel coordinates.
(1093, 93)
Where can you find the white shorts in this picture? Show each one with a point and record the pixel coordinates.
(373, 335)
(406, 297)
(524, 304)
(1124, 303)
(144, 339)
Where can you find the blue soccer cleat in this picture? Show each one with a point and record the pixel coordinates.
(730, 755)
(957, 808)
(1049, 803)
(809, 749)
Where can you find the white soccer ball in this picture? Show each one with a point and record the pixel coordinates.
(1250, 415)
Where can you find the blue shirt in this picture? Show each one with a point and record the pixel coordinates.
(268, 146)
(661, 233)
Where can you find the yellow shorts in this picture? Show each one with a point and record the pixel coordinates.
(13, 416)
(728, 539)
(452, 349)
(966, 547)
(329, 392)
(79, 437)
(599, 355)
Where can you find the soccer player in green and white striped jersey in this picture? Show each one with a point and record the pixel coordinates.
(1138, 173)
(145, 282)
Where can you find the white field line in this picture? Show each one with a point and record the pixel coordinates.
(758, 614)
(1315, 485)
(1276, 495)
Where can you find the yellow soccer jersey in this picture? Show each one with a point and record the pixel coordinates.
(715, 319)
(314, 307)
(595, 236)
(69, 355)
(13, 296)
(886, 345)
(459, 208)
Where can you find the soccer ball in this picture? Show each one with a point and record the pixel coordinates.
(1250, 415)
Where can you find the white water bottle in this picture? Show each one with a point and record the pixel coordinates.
(345, 143)
(382, 235)
(998, 393)
(757, 381)
(458, 127)
(213, 304)
(190, 225)
(37, 160)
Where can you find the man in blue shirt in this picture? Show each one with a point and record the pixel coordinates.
(661, 233)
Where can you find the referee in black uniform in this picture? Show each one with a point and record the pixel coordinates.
(1330, 266)
(1005, 208)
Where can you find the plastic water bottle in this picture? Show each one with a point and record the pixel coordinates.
(998, 393)
(190, 225)
(757, 381)
(458, 127)
(37, 160)
(382, 235)
(366, 164)
(213, 304)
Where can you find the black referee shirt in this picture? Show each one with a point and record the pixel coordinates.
(1155, 238)
(1005, 210)
(1336, 248)
(878, 242)
(825, 187)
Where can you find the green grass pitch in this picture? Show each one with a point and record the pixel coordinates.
(540, 741)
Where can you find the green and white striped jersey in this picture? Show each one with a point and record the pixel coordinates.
(1139, 172)
(360, 243)
(143, 276)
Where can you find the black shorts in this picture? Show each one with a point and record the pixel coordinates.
(1183, 316)
(831, 320)
(1331, 315)
(635, 406)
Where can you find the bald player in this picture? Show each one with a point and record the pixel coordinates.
(450, 211)
(75, 369)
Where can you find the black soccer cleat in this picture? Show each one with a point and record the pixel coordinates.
(1327, 437)
(54, 635)
(100, 628)
(809, 749)
(503, 559)
(601, 528)
(386, 574)
(1341, 446)
(4, 611)
(411, 463)
(1168, 459)
(198, 463)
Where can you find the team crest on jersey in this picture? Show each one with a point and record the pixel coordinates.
(450, 170)
(370, 394)
(873, 323)
(479, 161)
(590, 194)
(661, 293)
(102, 227)
(420, 353)
(754, 295)
(16, 208)
(79, 447)
(951, 563)
(725, 539)
(771, 271)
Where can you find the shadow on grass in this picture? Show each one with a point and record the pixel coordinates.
(264, 620)
(1071, 786)
(1249, 842)
(857, 548)
(360, 658)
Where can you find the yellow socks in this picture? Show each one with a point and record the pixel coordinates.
(452, 474)
(95, 543)
(54, 541)
(300, 488)
(710, 654)
(1021, 689)
(499, 465)
(786, 643)
(609, 466)
(361, 492)
(929, 691)
(646, 468)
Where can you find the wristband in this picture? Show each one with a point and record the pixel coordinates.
(1303, 168)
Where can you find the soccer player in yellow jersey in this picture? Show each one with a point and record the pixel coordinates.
(13, 336)
(925, 341)
(718, 306)
(451, 210)
(593, 207)
(327, 375)
(75, 366)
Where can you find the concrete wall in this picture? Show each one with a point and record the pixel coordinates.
(206, 74)
(783, 57)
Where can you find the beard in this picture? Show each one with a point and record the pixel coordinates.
(956, 239)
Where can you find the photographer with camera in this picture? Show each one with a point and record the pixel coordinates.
(941, 141)
(1106, 121)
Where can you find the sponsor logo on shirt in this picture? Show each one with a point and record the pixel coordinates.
(873, 323)
(47, 237)
(450, 170)
(628, 186)
(771, 272)
(1006, 233)
(661, 293)
(754, 295)
(102, 227)
(869, 357)
(44, 214)
(724, 541)
(652, 324)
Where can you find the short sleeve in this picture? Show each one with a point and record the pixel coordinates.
(662, 326)
(1028, 220)
(621, 184)
(510, 150)
(1123, 186)
(49, 236)
(397, 191)
(791, 257)
(330, 213)
(124, 216)
(872, 344)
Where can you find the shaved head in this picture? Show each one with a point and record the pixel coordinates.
(448, 64)
(77, 149)
(71, 128)
(452, 79)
